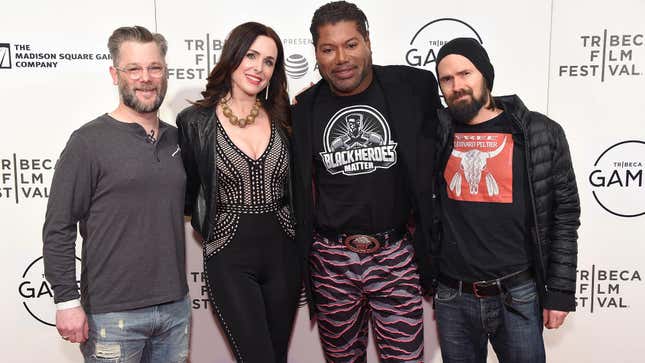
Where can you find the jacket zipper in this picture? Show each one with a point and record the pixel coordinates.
(529, 172)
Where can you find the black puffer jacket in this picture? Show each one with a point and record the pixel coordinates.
(554, 199)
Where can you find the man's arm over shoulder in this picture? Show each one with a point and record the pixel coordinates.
(188, 137)
(429, 88)
(424, 85)
(69, 202)
(301, 114)
(304, 99)
(424, 91)
(421, 80)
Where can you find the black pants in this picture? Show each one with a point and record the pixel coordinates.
(254, 287)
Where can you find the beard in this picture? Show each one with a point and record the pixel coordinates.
(464, 111)
(129, 97)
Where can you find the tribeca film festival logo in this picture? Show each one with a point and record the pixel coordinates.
(197, 280)
(617, 179)
(37, 294)
(206, 53)
(608, 55)
(25, 178)
(427, 41)
(20, 56)
(605, 288)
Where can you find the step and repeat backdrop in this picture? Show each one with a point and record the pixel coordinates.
(580, 62)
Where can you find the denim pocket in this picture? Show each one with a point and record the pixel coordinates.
(445, 294)
(523, 294)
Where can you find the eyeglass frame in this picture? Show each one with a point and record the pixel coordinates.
(139, 71)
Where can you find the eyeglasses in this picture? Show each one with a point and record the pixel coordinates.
(135, 73)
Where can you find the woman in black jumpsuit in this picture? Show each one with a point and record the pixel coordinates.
(238, 193)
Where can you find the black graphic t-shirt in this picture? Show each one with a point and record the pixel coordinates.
(484, 202)
(359, 188)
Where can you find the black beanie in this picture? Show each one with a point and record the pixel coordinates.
(473, 50)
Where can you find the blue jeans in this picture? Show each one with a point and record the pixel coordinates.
(512, 322)
(157, 333)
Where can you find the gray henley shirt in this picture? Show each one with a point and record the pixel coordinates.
(127, 197)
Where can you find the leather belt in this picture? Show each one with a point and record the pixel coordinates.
(365, 243)
(489, 287)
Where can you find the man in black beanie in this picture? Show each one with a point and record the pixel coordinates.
(509, 214)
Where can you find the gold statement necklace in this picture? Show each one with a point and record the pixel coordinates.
(240, 121)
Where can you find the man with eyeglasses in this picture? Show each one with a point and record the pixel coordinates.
(120, 178)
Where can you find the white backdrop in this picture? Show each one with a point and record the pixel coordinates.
(580, 62)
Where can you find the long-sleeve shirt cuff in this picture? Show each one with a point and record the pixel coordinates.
(68, 304)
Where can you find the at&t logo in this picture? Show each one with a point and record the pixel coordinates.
(296, 66)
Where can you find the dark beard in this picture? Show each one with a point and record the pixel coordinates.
(464, 112)
(130, 100)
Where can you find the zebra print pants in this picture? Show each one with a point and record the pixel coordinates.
(351, 289)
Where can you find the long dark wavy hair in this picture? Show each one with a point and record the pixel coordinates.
(235, 48)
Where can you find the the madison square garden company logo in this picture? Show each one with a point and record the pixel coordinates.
(25, 55)
(429, 38)
(5, 55)
(36, 293)
(607, 54)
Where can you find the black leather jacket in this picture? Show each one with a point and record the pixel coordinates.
(555, 205)
(197, 142)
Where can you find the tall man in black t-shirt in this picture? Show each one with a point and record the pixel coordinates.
(355, 136)
(509, 216)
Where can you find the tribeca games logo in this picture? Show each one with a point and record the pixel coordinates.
(5, 55)
(37, 294)
(427, 41)
(609, 55)
(617, 179)
(25, 178)
(604, 288)
(28, 56)
(357, 140)
(205, 54)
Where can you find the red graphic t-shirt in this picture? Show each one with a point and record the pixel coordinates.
(480, 168)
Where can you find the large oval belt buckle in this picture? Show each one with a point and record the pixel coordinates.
(361, 243)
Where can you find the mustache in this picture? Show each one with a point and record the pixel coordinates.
(461, 93)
